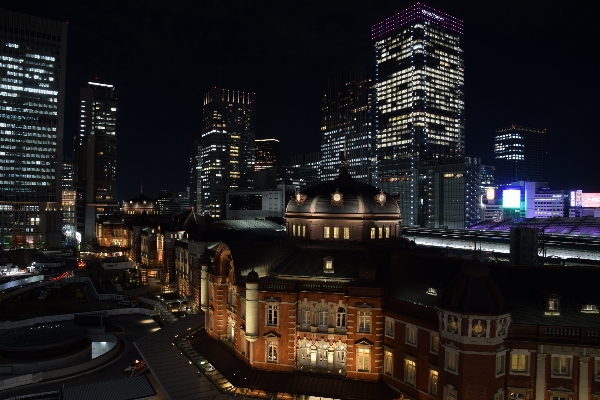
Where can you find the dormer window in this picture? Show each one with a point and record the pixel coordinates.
(328, 265)
(552, 305)
(589, 308)
(432, 291)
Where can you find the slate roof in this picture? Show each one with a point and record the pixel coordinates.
(308, 263)
(120, 389)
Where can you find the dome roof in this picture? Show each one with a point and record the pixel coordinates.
(473, 291)
(141, 201)
(343, 195)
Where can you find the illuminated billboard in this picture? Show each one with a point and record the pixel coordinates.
(490, 193)
(511, 198)
(591, 200)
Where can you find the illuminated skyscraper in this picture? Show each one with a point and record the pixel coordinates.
(419, 101)
(347, 110)
(32, 80)
(520, 154)
(267, 153)
(95, 156)
(226, 148)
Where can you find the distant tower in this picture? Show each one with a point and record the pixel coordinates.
(226, 148)
(520, 154)
(33, 55)
(267, 153)
(420, 100)
(347, 112)
(95, 156)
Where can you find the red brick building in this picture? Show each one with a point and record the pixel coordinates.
(344, 299)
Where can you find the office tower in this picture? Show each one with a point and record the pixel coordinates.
(488, 176)
(226, 148)
(520, 154)
(347, 109)
(32, 71)
(309, 160)
(266, 153)
(95, 156)
(451, 188)
(419, 77)
(68, 201)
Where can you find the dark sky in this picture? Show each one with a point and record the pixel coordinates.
(533, 63)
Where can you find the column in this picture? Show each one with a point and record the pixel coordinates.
(204, 288)
(540, 377)
(583, 378)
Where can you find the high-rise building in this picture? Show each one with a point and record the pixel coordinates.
(68, 201)
(32, 87)
(520, 154)
(347, 117)
(419, 77)
(266, 153)
(226, 148)
(95, 156)
(451, 188)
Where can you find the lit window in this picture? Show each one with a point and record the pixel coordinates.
(346, 232)
(272, 350)
(410, 372)
(336, 232)
(303, 230)
(364, 359)
(387, 232)
(325, 232)
(451, 360)
(388, 362)
(372, 233)
(519, 362)
(433, 380)
(380, 232)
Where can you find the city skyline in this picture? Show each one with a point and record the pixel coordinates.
(519, 63)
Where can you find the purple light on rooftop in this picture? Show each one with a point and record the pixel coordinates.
(413, 13)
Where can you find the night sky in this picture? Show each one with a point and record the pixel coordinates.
(534, 63)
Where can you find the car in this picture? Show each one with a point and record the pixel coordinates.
(135, 367)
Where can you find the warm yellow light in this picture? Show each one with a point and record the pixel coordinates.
(490, 193)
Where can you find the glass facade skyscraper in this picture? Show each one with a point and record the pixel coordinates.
(520, 154)
(419, 100)
(32, 83)
(347, 118)
(226, 148)
(95, 156)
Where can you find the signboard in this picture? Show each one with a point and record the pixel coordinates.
(490, 193)
(511, 198)
(578, 195)
(591, 200)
